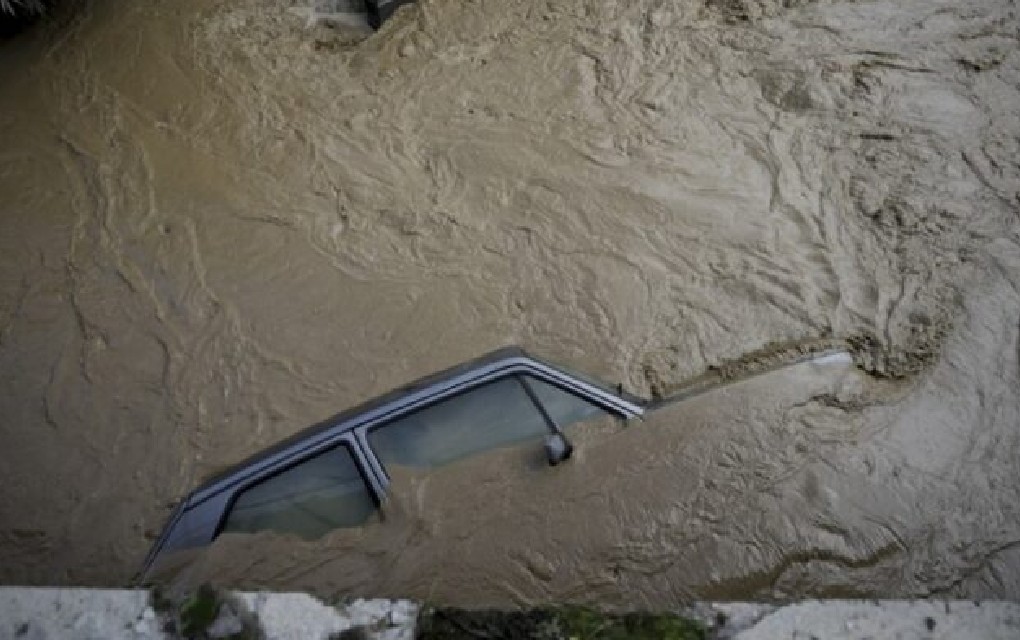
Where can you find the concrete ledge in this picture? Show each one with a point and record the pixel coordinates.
(105, 614)
(902, 620)
(34, 614)
(43, 613)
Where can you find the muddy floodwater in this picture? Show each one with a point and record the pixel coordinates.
(223, 221)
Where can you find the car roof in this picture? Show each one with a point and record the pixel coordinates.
(347, 419)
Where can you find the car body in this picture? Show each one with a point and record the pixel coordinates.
(334, 474)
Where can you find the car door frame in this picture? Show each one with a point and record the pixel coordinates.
(199, 519)
(604, 399)
(346, 439)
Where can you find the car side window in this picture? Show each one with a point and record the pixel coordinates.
(315, 496)
(494, 415)
(563, 407)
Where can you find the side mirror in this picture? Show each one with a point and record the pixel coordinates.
(557, 449)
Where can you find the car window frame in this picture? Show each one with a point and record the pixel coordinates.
(347, 440)
(516, 371)
(334, 429)
(372, 471)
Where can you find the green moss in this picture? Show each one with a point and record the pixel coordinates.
(199, 611)
(563, 623)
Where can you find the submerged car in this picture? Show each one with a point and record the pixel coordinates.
(335, 474)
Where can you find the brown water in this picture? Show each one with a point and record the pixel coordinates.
(220, 225)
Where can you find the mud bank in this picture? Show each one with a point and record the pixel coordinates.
(221, 225)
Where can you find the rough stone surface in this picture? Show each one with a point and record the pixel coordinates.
(297, 616)
(87, 614)
(103, 614)
(897, 619)
(84, 614)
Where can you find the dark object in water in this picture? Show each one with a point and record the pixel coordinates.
(18, 15)
(379, 11)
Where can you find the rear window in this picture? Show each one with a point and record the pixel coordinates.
(320, 494)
